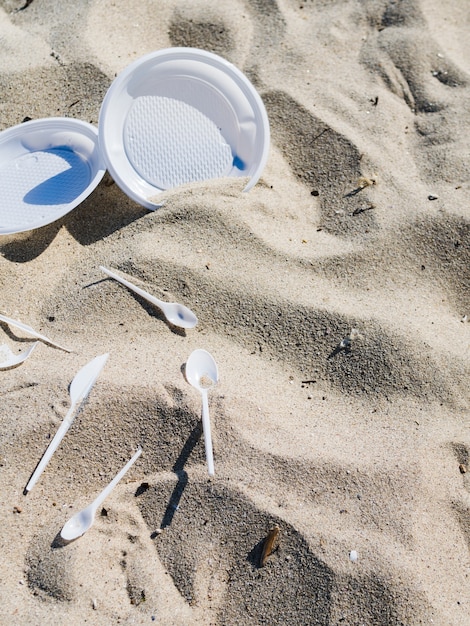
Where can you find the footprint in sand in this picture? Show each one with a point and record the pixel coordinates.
(212, 547)
(170, 434)
(325, 161)
(412, 66)
(202, 551)
(64, 573)
(212, 534)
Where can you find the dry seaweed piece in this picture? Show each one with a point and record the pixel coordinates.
(268, 545)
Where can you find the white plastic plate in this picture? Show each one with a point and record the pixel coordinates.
(47, 168)
(181, 115)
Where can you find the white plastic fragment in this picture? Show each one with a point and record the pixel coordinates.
(9, 359)
(5, 354)
(347, 341)
(353, 556)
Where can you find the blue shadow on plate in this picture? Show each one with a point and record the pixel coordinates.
(64, 187)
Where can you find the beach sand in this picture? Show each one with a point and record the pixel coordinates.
(334, 297)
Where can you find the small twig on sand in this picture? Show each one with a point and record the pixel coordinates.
(363, 209)
(362, 183)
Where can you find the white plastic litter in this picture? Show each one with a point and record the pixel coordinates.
(202, 373)
(172, 117)
(176, 314)
(180, 145)
(181, 115)
(79, 389)
(83, 520)
(47, 168)
(9, 359)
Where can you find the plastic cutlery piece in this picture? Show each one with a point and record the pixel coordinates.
(9, 359)
(79, 390)
(31, 331)
(83, 520)
(201, 373)
(176, 314)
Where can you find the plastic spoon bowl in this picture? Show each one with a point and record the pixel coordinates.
(83, 520)
(201, 373)
(177, 314)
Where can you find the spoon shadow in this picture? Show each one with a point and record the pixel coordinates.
(60, 542)
(178, 468)
(12, 335)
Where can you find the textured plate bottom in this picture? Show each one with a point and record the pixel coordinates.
(170, 143)
(38, 186)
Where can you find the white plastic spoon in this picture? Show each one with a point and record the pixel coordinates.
(9, 359)
(83, 520)
(177, 314)
(201, 373)
(79, 390)
(30, 331)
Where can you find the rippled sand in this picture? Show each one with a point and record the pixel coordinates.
(334, 297)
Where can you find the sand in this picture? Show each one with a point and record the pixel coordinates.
(334, 297)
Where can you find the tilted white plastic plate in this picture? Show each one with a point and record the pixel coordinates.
(181, 115)
(47, 168)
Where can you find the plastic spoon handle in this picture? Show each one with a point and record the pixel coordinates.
(141, 292)
(107, 490)
(206, 427)
(31, 331)
(52, 447)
